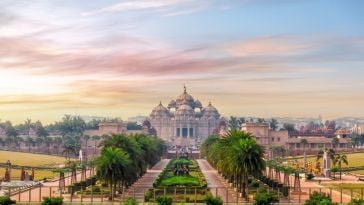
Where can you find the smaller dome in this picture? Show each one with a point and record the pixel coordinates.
(198, 104)
(184, 110)
(146, 123)
(172, 104)
(210, 110)
(160, 110)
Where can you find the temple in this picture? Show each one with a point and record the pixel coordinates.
(185, 121)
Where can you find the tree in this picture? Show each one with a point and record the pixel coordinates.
(29, 142)
(68, 150)
(133, 126)
(233, 123)
(317, 198)
(355, 140)
(273, 124)
(341, 158)
(237, 156)
(86, 138)
(111, 167)
(335, 142)
(95, 138)
(261, 120)
(289, 127)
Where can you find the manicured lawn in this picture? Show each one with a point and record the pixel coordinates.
(39, 174)
(347, 188)
(180, 181)
(354, 159)
(27, 159)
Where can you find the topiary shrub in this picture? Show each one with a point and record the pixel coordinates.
(309, 176)
(264, 197)
(164, 200)
(210, 200)
(130, 201)
(148, 195)
(52, 201)
(5, 200)
(317, 198)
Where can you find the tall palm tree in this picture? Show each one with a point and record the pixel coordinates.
(111, 167)
(335, 142)
(341, 158)
(237, 156)
(68, 150)
(29, 142)
(304, 142)
(86, 138)
(95, 138)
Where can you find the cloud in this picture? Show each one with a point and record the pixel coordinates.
(154, 5)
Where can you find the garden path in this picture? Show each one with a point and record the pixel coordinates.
(146, 181)
(217, 184)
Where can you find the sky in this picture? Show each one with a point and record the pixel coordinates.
(114, 58)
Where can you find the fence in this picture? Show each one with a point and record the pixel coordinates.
(95, 194)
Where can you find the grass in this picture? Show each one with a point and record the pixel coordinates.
(180, 181)
(32, 160)
(354, 159)
(39, 174)
(347, 188)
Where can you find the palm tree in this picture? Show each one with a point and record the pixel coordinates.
(57, 141)
(86, 138)
(304, 142)
(69, 149)
(95, 138)
(28, 126)
(29, 142)
(335, 141)
(341, 158)
(111, 167)
(236, 156)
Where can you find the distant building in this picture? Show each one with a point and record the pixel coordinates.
(266, 136)
(185, 121)
(315, 143)
(358, 128)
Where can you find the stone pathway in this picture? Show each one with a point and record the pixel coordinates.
(138, 189)
(217, 184)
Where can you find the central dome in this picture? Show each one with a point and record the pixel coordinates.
(185, 110)
(185, 98)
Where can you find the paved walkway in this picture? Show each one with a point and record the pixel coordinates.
(47, 189)
(138, 189)
(217, 184)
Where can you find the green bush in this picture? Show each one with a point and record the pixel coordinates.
(148, 195)
(254, 183)
(131, 201)
(317, 198)
(309, 176)
(164, 200)
(5, 200)
(210, 200)
(264, 197)
(52, 201)
(356, 202)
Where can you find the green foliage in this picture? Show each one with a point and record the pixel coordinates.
(317, 198)
(264, 197)
(180, 181)
(148, 195)
(356, 202)
(164, 200)
(52, 201)
(211, 200)
(131, 201)
(309, 176)
(133, 126)
(5, 200)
